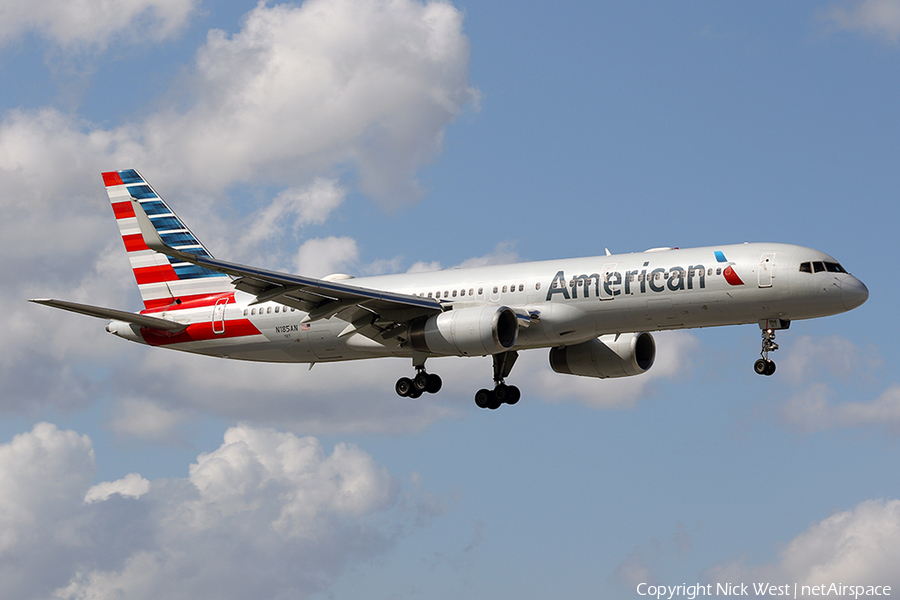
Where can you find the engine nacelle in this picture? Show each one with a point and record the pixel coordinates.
(475, 331)
(606, 356)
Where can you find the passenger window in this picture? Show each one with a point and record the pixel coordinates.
(462, 292)
(806, 267)
(504, 289)
(471, 291)
(480, 291)
(454, 293)
(496, 289)
(521, 287)
(709, 273)
(719, 271)
(278, 309)
(537, 286)
(269, 310)
(818, 266)
(245, 312)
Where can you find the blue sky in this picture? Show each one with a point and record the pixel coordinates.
(371, 137)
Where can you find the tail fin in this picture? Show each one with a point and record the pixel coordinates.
(162, 280)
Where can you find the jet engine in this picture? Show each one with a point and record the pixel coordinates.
(606, 356)
(476, 331)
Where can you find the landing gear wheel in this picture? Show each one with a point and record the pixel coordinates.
(764, 366)
(501, 392)
(513, 395)
(483, 398)
(434, 384)
(415, 393)
(420, 382)
(403, 387)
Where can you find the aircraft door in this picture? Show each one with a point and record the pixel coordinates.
(218, 316)
(766, 269)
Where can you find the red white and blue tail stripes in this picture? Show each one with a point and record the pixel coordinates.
(163, 281)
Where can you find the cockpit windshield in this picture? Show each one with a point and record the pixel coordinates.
(819, 266)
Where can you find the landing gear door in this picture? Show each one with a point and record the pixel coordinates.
(766, 270)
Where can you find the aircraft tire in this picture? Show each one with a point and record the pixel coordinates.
(770, 368)
(501, 392)
(403, 386)
(761, 366)
(513, 395)
(434, 384)
(483, 398)
(420, 381)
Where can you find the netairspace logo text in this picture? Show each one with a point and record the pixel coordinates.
(787, 590)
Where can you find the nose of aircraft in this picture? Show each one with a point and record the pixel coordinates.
(853, 292)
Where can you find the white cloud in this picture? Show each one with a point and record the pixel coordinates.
(146, 420)
(502, 254)
(298, 93)
(815, 409)
(860, 546)
(132, 486)
(267, 514)
(298, 206)
(41, 473)
(94, 23)
(320, 257)
(306, 97)
(876, 18)
(815, 358)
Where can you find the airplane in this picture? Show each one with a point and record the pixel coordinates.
(594, 314)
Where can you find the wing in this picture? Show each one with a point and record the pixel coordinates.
(373, 313)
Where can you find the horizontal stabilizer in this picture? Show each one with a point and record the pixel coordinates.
(114, 315)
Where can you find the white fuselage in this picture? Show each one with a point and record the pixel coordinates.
(561, 302)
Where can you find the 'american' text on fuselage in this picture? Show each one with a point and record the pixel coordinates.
(613, 282)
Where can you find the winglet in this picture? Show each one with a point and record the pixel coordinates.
(151, 237)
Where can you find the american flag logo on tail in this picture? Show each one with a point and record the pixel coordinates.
(163, 281)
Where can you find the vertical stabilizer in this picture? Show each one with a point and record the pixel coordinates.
(163, 281)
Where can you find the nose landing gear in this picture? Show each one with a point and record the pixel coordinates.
(764, 365)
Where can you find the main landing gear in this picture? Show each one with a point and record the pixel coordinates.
(764, 365)
(423, 382)
(430, 383)
(502, 393)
